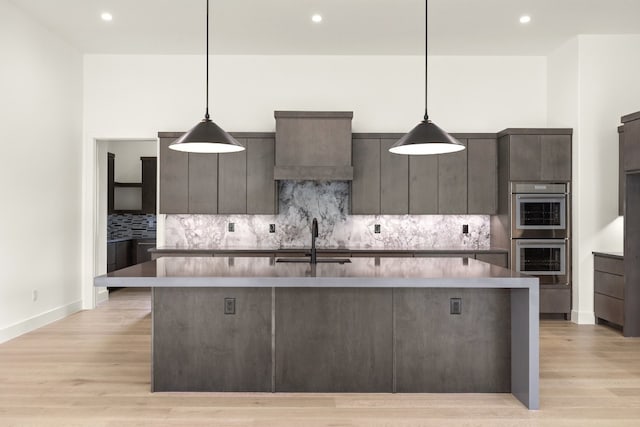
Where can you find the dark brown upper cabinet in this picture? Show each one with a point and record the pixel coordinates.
(621, 174)
(380, 179)
(538, 154)
(232, 183)
(392, 184)
(452, 182)
(631, 124)
(482, 176)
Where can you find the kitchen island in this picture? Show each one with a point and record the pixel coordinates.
(436, 325)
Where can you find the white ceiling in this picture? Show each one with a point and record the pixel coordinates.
(456, 27)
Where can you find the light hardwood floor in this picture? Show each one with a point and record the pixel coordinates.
(92, 369)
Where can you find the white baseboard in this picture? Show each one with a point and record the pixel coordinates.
(583, 317)
(39, 321)
(102, 295)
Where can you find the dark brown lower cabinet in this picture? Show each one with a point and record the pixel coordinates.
(437, 352)
(331, 340)
(555, 299)
(197, 347)
(334, 340)
(608, 288)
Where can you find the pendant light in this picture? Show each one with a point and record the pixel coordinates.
(426, 137)
(206, 136)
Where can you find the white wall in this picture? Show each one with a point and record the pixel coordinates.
(41, 111)
(608, 70)
(137, 96)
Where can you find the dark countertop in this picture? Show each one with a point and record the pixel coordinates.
(368, 272)
(615, 255)
(228, 249)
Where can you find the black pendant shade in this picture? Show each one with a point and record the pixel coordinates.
(426, 138)
(206, 136)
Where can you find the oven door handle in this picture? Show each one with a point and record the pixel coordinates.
(553, 244)
(541, 196)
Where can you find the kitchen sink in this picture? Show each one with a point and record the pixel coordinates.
(320, 260)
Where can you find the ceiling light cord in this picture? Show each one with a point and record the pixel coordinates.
(206, 114)
(426, 60)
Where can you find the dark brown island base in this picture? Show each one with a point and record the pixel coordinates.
(384, 325)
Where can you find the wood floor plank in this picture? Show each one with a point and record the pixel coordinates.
(93, 369)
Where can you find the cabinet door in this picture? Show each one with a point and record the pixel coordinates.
(621, 175)
(632, 146)
(149, 184)
(110, 182)
(261, 188)
(365, 187)
(482, 183)
(174, 179)
(452, 182)
(123, 255)
(525, 157)
(203, 183)
(423, 185)
(232, 182)
(394, 180)
(556, 157)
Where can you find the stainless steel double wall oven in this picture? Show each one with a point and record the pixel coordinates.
(540, 240)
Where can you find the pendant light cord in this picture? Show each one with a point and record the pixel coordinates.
(206, 115)
(426, 60)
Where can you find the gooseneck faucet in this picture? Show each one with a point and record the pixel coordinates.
(314, 235)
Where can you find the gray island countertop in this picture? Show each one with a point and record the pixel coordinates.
(359, 272)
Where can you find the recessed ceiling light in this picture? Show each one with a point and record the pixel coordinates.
(525, 19)
(316, 18)
(106, 16)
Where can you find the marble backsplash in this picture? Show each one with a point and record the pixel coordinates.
(301, 201)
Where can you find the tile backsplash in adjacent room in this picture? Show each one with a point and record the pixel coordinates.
(301, 201)
(131, 226)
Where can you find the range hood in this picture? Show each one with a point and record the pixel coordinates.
(313, 145)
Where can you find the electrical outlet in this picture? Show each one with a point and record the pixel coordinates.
(34, 295)
(229, 306)
(272, 228)
(455, 306)
(232, 227)
(465, 229)
(376, 228)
